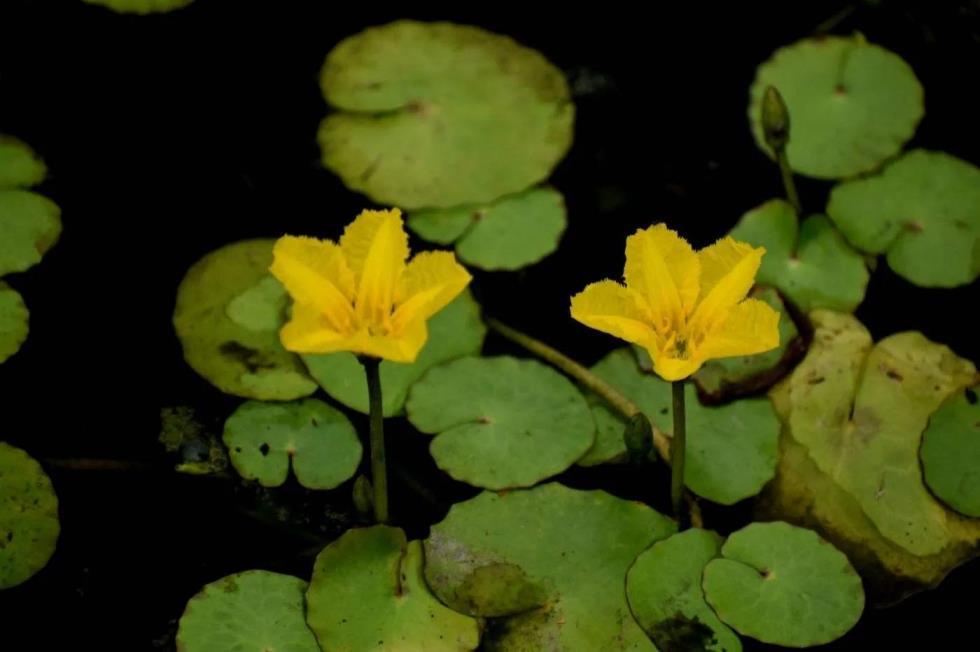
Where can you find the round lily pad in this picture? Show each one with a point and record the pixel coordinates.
(29, 225)
(263, 439)
(783, 585)
(20, 167)
(732, 449)
(454, 331)
(13, 321)
(435, 115)
(142, 7)
(501, 422)
(851, 104)
(810, 263)
(510, 233)
(951, 453)
(28, 517)
(664, 591)
(228, 316)
(368, 593)
(252, 611)
(547, 564)
(923, 211)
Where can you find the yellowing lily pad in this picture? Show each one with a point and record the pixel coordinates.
(548, 564)
(501, 422)
(509, 233)
(29, 225)
(951, 453)
(20, 167)
(664, 591)
(783, 585)
(28, 517)
(142, 7)
(13, 321)
(810, 263)
(228, 316)
(731, 449)
(852, 104)
(455, 331)
(368, 593)
(922, 211)
(441, 115)
(320, 443)
(252, 611)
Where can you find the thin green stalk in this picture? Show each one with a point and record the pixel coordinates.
(677, 445)
(789, 186)
(776, 129)
(379, 473)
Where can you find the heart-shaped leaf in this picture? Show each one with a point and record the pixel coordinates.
(14, 320)
(28, 517)
(29, 225)
(142, 7)
(20, 167)
(951, 453)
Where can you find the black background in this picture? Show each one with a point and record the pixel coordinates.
(169, 136)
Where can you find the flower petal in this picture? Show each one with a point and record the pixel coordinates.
(663, 268)
(375, 246)
(308, 331)
(402, 348)
(611, 308)
(430, 281)
(672, 369)
(728, 270)
(752, 327)
(314, 273)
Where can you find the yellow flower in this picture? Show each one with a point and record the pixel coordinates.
(360, 295)
(683, 307)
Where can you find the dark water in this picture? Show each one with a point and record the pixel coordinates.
(167, 137)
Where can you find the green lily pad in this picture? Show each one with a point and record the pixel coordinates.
(784, 585)
(436, 115)
(725, 378)
(252, 611)
(14, 320)
(548, 564)
(368, 593)
(501, 422)
(860, 412)
(851, 104)
(810, 263)
(951, 453)
(509, 233)
(664, 591)
(263, 439)
(29, 225)
(731, 449)
(228, 318)
(28, 517)
(20, 167)
(142, 7)
(455, 331)
(923, 211)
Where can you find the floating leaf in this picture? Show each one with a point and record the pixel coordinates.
(923, 211)
(368, 593)
(501, 422)
(29, 225)
(253, 611)
(951, 453)
(724, 378)
(441, 115)
(784, 585)
(142, 7)
(509, 233)
(551, 559)
(454, 331)
(224, 321)
(13, 321)
(664, 591)
(28, 517)
(20, 167)
(731, 449)
(810, 263)
(851, 104)
(263, 439)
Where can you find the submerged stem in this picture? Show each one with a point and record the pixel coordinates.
(677, 445)
(379, 473)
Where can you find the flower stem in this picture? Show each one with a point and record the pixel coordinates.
(379, 473)
(788, 184)
(677, 445)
